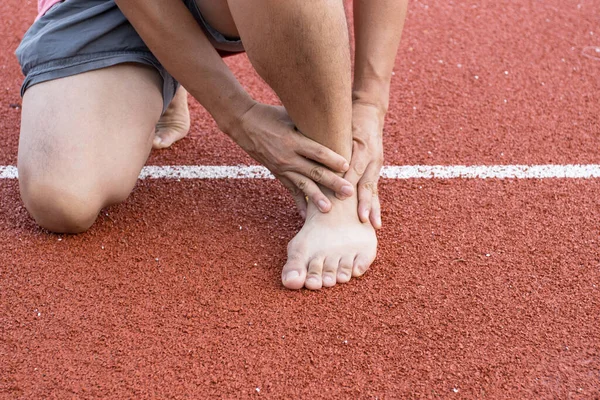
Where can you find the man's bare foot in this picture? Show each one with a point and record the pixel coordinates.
(330, 248)
(174, 124)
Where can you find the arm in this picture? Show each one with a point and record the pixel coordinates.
(175, 38)
(377, 28)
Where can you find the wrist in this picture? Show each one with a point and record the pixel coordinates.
(371, 107)
(229, 111)
(373, 92)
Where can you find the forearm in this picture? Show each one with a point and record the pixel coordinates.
(176, 39)
(377, 29)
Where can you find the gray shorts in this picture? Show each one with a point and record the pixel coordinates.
(77, 36)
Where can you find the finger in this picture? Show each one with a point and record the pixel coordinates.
(358, 164)
(375, 216)
(311, 190)
(367, 192)
(297, 195)
(300, 201)
(322, 154)
(327, 178)
(365, 198)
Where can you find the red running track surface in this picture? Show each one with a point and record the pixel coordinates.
(481, 288)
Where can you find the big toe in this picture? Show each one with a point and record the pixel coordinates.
(166, 138)
(361, 264)
(294, 273)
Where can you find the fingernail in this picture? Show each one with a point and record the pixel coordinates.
(303, 214)
(291, 275)
(322, 204)
(347, 190)
(345, 167)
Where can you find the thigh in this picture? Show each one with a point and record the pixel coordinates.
(90, 134)
(216, 13)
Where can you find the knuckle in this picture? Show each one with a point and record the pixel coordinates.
(302, 184)
(359, 167)
(281, 163)
(359, 144)
(320, 153)
(316, 174)
(370, 186)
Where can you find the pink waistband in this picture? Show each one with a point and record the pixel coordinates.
(45, 5)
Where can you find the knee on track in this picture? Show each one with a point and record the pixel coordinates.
(60, 206)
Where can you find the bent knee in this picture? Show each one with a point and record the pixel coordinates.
(59, 206)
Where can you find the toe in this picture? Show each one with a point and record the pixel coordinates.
(157, 143)
(314, 279)
(344, 271)
(294, 272)
(165, 138)
(330, 267)
(361, 264)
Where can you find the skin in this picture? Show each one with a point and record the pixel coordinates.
(303, 144)
(85, 138)
(177, 41)
(309, 48)
(317, 266)
(378, 29)
(174, 124)
(66, 177)
(329, 265)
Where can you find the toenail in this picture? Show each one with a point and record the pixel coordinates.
(291, 275)
(328, 280)
(343, 275)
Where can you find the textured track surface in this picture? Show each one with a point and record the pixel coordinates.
(481, 288)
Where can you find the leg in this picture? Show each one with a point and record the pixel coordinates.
(83, 142)
(302, 50)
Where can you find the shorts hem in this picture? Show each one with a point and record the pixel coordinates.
(63, 68)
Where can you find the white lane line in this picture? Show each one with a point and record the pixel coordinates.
(8, 172)
(571, 171)
(206, 172)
